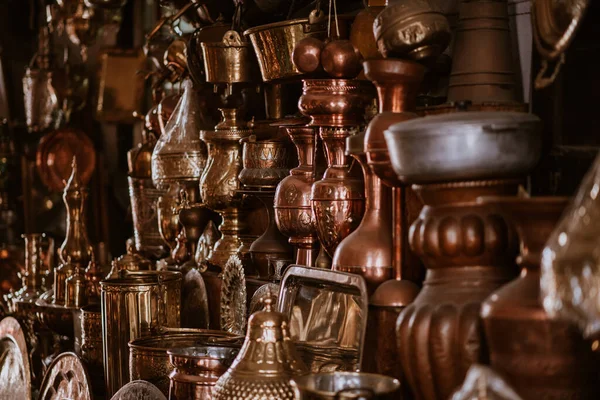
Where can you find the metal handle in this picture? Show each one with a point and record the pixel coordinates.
(357, 393)
(540, 81)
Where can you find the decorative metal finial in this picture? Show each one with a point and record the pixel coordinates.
(74, 183)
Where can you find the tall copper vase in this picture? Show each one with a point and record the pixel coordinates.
(293, 212)
(220, 182)
(482, 65)
(468, 249)
(541, 358)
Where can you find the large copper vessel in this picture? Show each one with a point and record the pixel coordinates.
(374, 232)
(293, 212)
(220, 181)
(542, 358)
(482, 63)
(468, 248)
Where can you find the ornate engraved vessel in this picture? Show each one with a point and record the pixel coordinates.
(293, 212)
(266, 362)
(220, 181)
(542, 358)
(338, 200)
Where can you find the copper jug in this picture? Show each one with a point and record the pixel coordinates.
(542, 358)
(482, 66)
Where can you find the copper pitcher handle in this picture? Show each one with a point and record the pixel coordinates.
(540, 81)
(360, 393)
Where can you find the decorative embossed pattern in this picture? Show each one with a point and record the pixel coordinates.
(233, 297)
(220, 180)
(144, 196)
(66, 379)
(177, 167)
(252, 388)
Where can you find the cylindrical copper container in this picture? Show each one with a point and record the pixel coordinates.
(134, 305)
(148, 358)
(91, 345)
(144, 196)
(264, 163)
(540, 357)
(231, 60)
(197, 370)
(482, 64)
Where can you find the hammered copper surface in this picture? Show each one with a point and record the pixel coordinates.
(66, 379)
(15, 373)
(231, 60)
(266, 362)
(468, 249)
(540, 357)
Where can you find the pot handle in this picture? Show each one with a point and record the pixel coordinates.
(356, 394)
(542, 82)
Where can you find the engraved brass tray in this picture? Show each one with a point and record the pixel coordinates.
(15, 373)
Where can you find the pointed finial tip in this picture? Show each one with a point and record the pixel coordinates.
(74, 182)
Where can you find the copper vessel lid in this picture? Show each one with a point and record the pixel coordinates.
(130, 261)
(394, 293)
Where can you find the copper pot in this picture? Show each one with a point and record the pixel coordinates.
(482, 63)
(196, 371)
(397, 83)
(293, 212)
(338, 200)
(230, 60)
(195, 59)
(542, 358)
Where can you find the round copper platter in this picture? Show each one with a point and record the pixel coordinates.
(15, 373)
(66, 379)
(55, 155)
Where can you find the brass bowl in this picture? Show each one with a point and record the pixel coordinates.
(274, 44)
(411, 29)
(148, 358)
(230, 60)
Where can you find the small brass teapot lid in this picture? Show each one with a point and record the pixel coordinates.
(130, 261)
(266, 362)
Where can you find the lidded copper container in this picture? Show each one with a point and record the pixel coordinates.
(266, 362)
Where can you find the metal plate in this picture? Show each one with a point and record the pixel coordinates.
(233, 297)
(139, 390)
(66, 379)
(15, 373)
(327, 311)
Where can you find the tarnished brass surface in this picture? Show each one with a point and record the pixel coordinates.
(66, 379)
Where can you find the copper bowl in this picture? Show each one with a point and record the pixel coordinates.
(148, 358)
(336, 102)
(413, 29)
